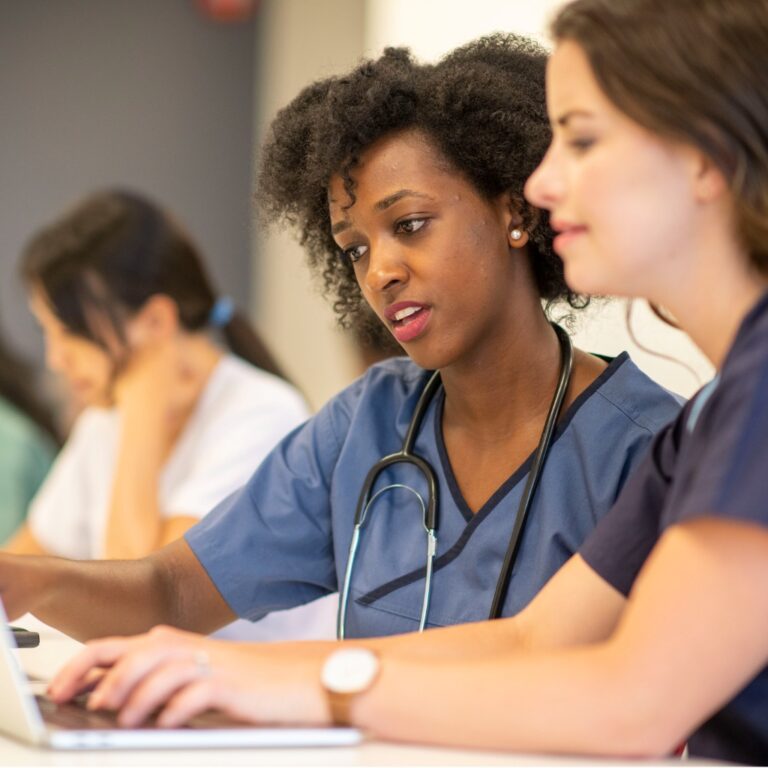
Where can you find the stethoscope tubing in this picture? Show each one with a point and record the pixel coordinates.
(430, 510)
(532, 481)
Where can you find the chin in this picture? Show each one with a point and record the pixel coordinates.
(586, 281)
(428, 360)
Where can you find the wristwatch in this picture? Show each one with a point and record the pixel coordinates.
(347, 673)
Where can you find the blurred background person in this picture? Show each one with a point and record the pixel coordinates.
(172, 424)
(28, 439)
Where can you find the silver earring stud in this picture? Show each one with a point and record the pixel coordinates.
(516, 234)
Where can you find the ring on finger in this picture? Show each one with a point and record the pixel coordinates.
(202, 663)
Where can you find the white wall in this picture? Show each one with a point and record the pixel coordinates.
(431, 28)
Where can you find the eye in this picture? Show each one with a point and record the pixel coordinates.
(355, 252)
(581, 144)
(410, 226)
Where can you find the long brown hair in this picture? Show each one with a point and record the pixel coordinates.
(114, 251)
(691, 70)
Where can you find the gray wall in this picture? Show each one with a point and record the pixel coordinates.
(144, 93)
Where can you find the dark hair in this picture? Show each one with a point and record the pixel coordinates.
(114, 251)
(16, 378)
(695, 71)
(483, 106)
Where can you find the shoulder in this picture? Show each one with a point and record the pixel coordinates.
(95, 422)
(633, 396)
(236, 386)
(382, 397)
(389, 384)
(14, 425)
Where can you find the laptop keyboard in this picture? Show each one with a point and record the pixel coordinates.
(74, 716)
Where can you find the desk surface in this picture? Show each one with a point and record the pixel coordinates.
(55, 648)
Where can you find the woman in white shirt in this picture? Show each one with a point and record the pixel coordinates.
(171, 424)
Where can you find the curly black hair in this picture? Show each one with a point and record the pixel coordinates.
(483, 105)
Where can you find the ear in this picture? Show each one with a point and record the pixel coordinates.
(156, 321)
(709, 184)
(513, 208)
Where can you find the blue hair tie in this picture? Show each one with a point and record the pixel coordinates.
(221, 312)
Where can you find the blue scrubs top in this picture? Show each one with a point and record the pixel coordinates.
(711, 461)
(283, 539)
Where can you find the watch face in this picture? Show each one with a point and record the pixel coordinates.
(350, 670)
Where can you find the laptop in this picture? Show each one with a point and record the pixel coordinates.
(39, 721)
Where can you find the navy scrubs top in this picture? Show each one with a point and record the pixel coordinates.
(711, 461)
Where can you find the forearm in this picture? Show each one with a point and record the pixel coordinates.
(554, 619)
(88, 599)
(460, 641)
(669, 664)
(134, 523)
(578, 700)
(94, 599)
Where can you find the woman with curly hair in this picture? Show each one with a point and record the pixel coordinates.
(406, 185)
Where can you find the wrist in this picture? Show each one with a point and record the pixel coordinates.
(38, 577)
(346, 675)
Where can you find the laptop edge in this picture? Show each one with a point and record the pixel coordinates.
(21, 719)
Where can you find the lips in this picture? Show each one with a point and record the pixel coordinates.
(567, 233)
(408, 319)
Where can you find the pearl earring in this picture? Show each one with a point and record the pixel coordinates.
(516, 234)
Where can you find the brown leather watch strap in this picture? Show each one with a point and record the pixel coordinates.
(340, 706)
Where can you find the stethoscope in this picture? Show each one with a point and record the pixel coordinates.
(429, 509)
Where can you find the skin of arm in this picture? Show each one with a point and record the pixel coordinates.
(161, 666)
(24, 542)
(691, 636)
(143, 395)
(687, 640)
(93, 599)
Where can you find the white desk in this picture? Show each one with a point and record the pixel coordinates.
(55, 648)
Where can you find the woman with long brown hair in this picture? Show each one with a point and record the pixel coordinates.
(182, 399)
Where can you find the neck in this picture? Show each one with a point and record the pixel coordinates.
(718, 295)
(708, 281)
(496, 396)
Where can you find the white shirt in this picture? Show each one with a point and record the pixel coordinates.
(241, 415)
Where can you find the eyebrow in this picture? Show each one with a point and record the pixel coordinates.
(382, 205)
(340, 226)
(564, 119)
(390, 200)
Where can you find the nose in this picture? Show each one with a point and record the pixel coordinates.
(545, 187)
(386, 267)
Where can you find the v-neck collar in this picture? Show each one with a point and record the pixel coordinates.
(521, 471)
(473, 521)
